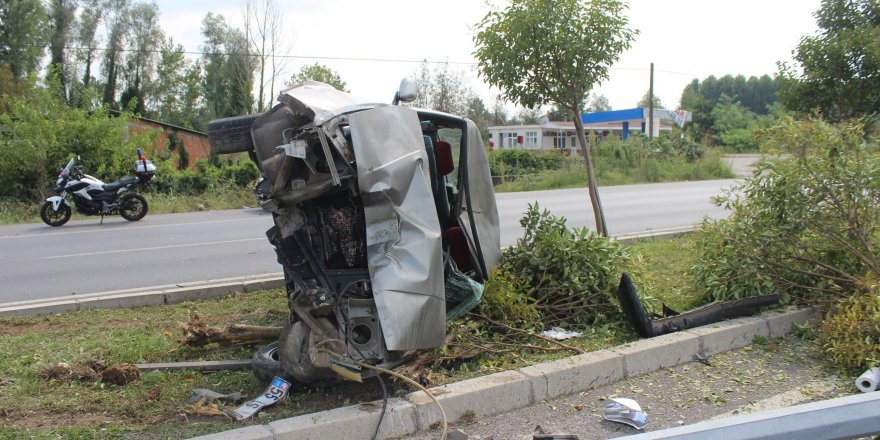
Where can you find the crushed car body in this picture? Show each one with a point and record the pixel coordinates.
(385, 221)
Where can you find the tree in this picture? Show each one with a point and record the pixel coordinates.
(176, 95)
(263, 28)
(87, 28)
(229, 68)
(318, 72)
(61, 20)
(22, 36)
(644, 103)
(141, 59)
(836, 71)
(530, 116)
(599, 103)
(554, 52)
(442, 89)
(118, 23)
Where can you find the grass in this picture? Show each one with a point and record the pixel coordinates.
(152, 407)
(227, 197)
(610, 172)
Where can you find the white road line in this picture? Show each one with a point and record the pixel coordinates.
(98, 228)
(154, 248)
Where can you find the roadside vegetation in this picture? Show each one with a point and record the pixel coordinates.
(34, 406)
(669, 158)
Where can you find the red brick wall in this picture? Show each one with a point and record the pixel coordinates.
(196, 144)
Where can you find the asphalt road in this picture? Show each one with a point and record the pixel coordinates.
(84, 256)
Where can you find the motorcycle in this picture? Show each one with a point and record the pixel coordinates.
(91, 196)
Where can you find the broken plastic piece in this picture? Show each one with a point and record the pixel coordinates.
(708, 314)
(869, 380)
(560, 334)
(627, 411)
(212, 395)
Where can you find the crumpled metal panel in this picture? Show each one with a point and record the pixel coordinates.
(404, 252)
(482, 199)
(321, 101)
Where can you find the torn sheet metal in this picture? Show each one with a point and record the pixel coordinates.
(404, 253)
(481, 196)
(627, 411)
(321, 102)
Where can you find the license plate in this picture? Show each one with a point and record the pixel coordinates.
(277, 390)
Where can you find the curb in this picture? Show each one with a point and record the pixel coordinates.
(152, 296)
(176, 293)
(501, 392)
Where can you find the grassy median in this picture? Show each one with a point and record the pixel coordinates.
(33, 406)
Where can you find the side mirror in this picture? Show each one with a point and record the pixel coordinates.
(407, 91)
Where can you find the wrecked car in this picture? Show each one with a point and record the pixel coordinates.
(385, 223)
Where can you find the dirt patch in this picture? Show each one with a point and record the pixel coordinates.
(121, 374)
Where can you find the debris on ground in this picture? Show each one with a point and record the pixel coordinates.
(205, 407)
(869, 380)
(627, 411)
(560, 334)
(198, 334)
(212, 395)
(121, 374)
(59, 372)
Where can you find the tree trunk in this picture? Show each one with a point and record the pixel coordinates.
(598, 213)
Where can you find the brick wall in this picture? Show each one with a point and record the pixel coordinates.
(195, 143)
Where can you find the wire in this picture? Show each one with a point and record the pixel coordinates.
(403, 378)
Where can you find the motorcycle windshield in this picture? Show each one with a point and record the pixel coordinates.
(404, 254)
(67, 167)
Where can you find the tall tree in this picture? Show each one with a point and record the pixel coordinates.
(176, 93)
(87, 42)
(645, 102)
(554, 52)
(443, 89)
(22, 36)
(837, 71)
(118, 24)
(263, 28)
(61, 21)
(317, 72)
(229, 68)
(140, 61)
(599, 103)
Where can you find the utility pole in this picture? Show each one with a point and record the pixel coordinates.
(651, 105)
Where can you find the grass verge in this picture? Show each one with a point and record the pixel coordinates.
(152, 407)
(572, 173)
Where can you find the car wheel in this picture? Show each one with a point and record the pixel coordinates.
(231, 135)
(266, 365)
(52, 217)
(293, 350)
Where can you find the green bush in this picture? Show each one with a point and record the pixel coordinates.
(850, 332)
(805, 225)
(554, 275)
(519, 161)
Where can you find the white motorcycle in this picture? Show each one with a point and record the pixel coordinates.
(91, 196)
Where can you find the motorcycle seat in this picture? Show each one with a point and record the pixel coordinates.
(114, 186)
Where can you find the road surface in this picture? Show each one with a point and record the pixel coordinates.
(84, 256)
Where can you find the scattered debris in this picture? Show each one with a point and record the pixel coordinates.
(456, 434)
(198, 334)
(121, 374)
(627, 411)
(152, 394)
(275, 393)
(60, 372)
(560, 334)
(539, 434)
(238, 364)
(869, 380)
(204, 407)
(211, 395)
(703, 359)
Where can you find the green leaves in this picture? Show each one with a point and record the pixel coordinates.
(551, 51)
(554, 275)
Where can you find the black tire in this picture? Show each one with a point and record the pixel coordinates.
(266, 366)
(231, 135)
(133, 207)
(55, 218)
(293, 350)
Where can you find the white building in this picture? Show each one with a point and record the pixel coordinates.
(561, 136)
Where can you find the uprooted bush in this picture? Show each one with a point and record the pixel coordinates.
(850, 333)
(554, 276)
(804, 225)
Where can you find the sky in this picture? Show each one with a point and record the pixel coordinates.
(685, 39)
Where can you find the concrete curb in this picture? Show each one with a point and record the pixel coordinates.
(509, 390)
(152, 296)
(176, 293)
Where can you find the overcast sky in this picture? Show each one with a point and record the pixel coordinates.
(685, 39)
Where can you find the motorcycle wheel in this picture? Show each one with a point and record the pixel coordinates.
(293, 351)
(52, 217)
(133, 207)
